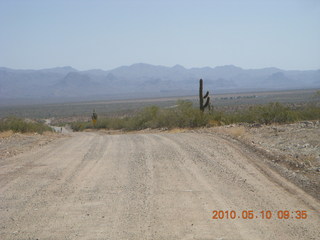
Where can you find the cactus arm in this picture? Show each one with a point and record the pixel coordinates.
(207, 103)
(207, 94)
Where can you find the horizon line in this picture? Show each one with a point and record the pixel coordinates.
(154, 65)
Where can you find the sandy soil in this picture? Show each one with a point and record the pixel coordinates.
(291, 149)
(12, 144)
(148, 186)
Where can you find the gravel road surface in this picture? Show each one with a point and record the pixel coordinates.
(149, 186)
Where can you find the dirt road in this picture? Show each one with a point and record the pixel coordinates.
(148, 186)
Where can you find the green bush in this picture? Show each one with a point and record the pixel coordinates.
(311, 112)
(264, 114)
(184, 115)
(19, 125)
(78, 126)
(271, 113)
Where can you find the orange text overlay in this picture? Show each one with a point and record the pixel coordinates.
(265, 214)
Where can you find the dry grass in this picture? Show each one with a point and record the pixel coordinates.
(214, 123)
(6, 134)
(238, 131)
(309, 160)
(177, 130)
(48, 133)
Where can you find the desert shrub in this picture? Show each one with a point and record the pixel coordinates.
(147, 118)
(184, 115)
(264, 114)
(20, 125)
(79, 126)
(272, 113)
(310, 112)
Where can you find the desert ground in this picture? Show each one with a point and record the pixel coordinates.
(93, 185)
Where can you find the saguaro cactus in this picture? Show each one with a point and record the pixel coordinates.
(202, 98)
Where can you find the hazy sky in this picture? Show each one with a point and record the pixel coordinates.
(106, 34)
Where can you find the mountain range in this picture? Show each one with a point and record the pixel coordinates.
(143, 81)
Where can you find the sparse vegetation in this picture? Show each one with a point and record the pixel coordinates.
(19, 125)
(70, 112)
(184, 115)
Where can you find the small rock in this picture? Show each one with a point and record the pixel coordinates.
(256, 125)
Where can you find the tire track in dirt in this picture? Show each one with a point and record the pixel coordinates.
(145, 186)
(241, 179)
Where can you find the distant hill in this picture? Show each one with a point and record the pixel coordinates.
(145, 80)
